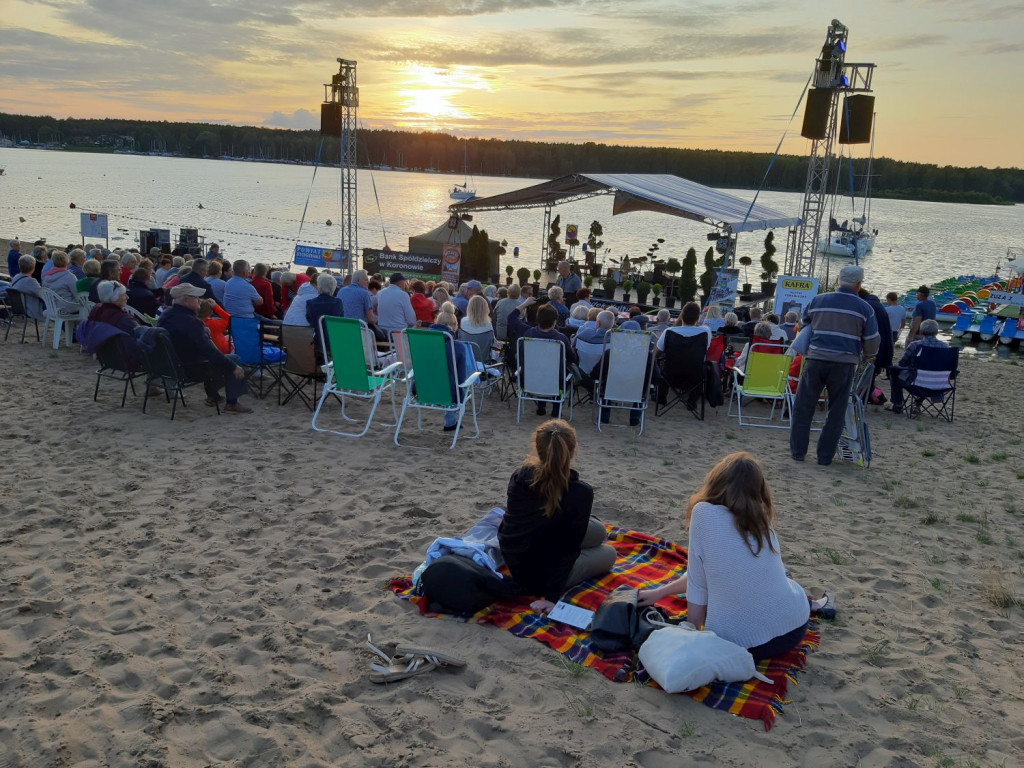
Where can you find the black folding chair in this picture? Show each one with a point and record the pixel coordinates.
(164, 369)
(114, 364)
(683, 373)
(18, 305)
(298, 365)
(930, 385)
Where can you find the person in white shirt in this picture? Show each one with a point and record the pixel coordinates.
(394, 307)
(686, 325)
(736, 584)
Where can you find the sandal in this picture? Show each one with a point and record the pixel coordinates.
(828, 610)
(436, 657)
(397, 668)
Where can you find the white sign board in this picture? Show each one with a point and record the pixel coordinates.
(94, 225)
(1002, 297)
(792, 294)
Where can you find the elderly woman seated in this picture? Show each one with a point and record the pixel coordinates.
(91, 268)
(111, 310)
(60, 279)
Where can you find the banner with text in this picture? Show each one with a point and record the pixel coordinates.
(1004, 297)
(412, 265)
(94, 225)
(451, 261)
(793, 294)
(315, 256)
(724, 289)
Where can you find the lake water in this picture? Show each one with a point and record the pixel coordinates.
(253, 211)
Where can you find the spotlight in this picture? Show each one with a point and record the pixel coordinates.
(841, 46)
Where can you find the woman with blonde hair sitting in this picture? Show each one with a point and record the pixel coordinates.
(478, 316)
(548, 539)
(736, 585)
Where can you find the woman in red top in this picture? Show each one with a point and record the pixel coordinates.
(216, 321)
(421, 305)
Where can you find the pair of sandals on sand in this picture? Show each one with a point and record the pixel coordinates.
(408, 661)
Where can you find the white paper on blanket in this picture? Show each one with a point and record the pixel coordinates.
(573, 615)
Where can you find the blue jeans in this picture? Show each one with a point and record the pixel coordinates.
(837, 378)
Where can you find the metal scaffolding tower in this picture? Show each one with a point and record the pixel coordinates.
(339, 118)
(834, 75)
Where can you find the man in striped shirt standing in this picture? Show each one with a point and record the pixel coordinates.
(843, 330)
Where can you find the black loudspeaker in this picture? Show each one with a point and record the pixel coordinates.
(147, 240)
(189, 237)
(816, 113)
(330, 119)
(858, 114)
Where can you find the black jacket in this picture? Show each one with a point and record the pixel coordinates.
(540, 551)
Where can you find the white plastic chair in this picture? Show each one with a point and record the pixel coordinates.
(624, 380)
(542, 375)
(62, 313)
(84, 307)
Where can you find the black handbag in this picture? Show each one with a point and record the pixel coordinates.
(619, 624)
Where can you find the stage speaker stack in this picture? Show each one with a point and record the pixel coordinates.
(330, 119)
(147, 240)
(815, 124)
(189, 241)
(858, 114)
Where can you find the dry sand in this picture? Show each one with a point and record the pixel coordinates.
(196, 592)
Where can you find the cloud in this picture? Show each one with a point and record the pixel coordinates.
(997, 47)
(301, 119)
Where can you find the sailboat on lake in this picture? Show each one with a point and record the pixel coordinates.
(463, 192)
(853, 238)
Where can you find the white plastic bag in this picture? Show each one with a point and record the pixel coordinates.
(682, 658)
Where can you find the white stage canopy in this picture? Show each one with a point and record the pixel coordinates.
(658, 192)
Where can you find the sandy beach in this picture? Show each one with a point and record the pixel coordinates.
(197, 592)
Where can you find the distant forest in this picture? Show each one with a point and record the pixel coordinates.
(498, 157)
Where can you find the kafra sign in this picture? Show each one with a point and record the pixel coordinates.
(793, 294)
(315, 256)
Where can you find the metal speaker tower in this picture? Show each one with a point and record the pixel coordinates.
(339, 118)
(832, 77)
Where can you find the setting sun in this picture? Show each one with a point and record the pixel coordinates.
(429, 97)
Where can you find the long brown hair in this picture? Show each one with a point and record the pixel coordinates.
(738, 483)
(554, 442)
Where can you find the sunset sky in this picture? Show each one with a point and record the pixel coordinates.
(723, 75)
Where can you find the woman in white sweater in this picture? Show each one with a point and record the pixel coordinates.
(736, 585)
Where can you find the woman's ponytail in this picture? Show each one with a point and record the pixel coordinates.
(555, 444)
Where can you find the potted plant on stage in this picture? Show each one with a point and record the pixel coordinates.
(707, 277)
(536, 282)
(524, 275)
(588, 282)
(627, 285)
(746, 262)
(609, 285)
(656, 290)
(643, 290)
(509, 269)
(688, 282)
(769, 265)
(673, 268)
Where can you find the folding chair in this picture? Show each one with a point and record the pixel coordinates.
(298, 367)
(542, 375)
(260, 360)
(349, 349)
(62, 313)
(26, 307)
(932, 388)
(483, 352)
(793, 382)
(507, 384)
(684, 372)
(625, 373)
(113, 365)
(434, 382)
(163, 369)
(855, 442)
(766, 377)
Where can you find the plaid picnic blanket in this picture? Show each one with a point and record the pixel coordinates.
(642, 561)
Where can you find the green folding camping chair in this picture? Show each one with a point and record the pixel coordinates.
(766, 377)
(433, 381)
(350, 355)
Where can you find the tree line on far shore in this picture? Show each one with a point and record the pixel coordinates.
(499, 157)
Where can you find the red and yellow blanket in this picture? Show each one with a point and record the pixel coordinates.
(642, 561)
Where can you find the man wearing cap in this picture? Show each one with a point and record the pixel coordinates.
(467, 292)
(240, 298)
(568, 280)
(201, 359)
(394, 307)
(925, 310)
(899, 375)
(843, 330)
